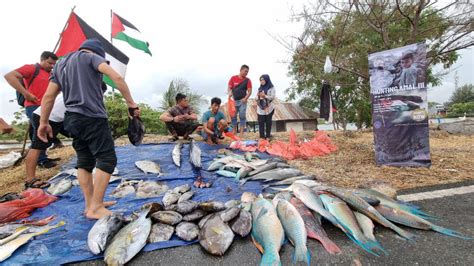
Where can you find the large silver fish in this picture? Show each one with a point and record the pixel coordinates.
(291, 180)
(61, 187)
(128, 241)
(182, 189)
(148, 167)
(103, 231)
(187, 206)
(212, 206)
(363, 207)
(215, 235)
(195, 154)
(176, 153)
(275, 174)
(295, 230)
(267, 231)
(263, 168)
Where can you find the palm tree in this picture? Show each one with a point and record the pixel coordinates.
(178, 85)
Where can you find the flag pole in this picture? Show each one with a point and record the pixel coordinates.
(65, 25)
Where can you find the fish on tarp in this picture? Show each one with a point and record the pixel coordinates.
(186, 206)
(348, 221)
(247, 198)
(103, 231)
(267, 231)
(263, 168)
(160, 232)
(150, 189)
(8, 248)
(194, 215)
(176, 153)
(167, 217)
(215, 235)
(232, 203)
(291, 180)
(314, 228)
(242, 225)
(229, 214)
(148, 167)
(366, 225)
(243, 172)
(411, 220)
(186, 196)
(295, 230)
(20, 230)
(128, 241)
(248, 156)
(230, 168)
(363, 207)
(123, 190)
(195, 154)
(182, 189)
(215, 165)
(187, 231)
(212, 206)
(170, 197)
(275, 174)
(226, 173)
(61, 187)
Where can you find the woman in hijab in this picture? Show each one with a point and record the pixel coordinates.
(265, 107)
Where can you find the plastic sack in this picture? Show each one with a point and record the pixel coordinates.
(230, 135)
(327, 65)
(231, 107)
(262, 145)
(33, 198)
(136, 131)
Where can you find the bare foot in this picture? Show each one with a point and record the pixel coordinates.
(105, 203)
(98, 213)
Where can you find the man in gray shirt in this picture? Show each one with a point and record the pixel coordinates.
(79, 76)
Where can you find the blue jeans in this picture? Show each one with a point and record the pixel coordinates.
(241, 111)
(29, 113)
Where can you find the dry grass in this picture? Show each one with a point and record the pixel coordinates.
(352, 165)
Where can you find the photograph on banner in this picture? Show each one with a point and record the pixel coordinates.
(400, 106)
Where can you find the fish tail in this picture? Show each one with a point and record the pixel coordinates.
(408, 204)
(405, 234)
(369, 246)
(270, 258)
(301, 253)
(449, 232)
(330, 246)
(423, 214)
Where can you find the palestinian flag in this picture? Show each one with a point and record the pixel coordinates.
(77, 31)
(126, 31)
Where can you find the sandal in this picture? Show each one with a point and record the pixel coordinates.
(36, 183)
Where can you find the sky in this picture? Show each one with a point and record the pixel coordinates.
(204, 42)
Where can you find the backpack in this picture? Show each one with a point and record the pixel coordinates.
(19, 97)
(240, 91)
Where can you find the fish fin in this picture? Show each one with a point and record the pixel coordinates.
(270, 258)
(301, 253)
(327, 243)
(261, 213)
(259, 247)
(368, 246)
(449, 232)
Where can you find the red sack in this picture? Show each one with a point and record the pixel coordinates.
(231, 136)
(33, 198)
(262, 145)
(231, 107)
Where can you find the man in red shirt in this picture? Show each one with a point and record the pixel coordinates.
(240, 89)
(33, 89)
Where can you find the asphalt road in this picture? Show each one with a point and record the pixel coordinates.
(429, 248)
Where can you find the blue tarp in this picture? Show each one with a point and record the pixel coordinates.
(69, 242)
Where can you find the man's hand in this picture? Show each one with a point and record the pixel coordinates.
(179, 118)
(244, 100)
(45, 131)
(30, 97)
(134, 112)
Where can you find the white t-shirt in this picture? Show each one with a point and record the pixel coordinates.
(59, 109)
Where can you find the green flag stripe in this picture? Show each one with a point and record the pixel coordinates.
(140, 45)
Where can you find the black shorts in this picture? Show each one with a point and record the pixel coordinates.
(38, 144)
(92, 141)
